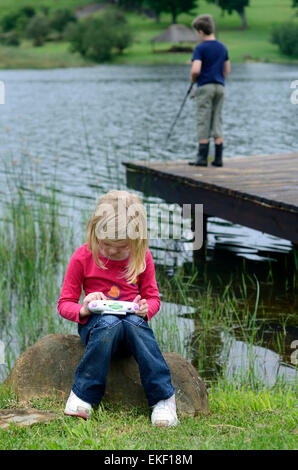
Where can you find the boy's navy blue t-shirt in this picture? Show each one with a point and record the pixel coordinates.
(213, 54)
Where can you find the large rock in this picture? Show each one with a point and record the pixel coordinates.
(48, 368)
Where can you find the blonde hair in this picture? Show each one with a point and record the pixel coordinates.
(120, 215)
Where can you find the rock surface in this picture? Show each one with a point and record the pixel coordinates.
(48, 368)
(24, 417)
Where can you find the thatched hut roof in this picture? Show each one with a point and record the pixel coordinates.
(176, 33)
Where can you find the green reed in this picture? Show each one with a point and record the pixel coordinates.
(32, 256)
(217, 314)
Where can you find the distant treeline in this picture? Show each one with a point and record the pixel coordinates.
(107, 33)
(40, 25)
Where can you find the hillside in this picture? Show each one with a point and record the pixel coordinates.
(250, 45)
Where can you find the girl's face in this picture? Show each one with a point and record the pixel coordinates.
(114, 249)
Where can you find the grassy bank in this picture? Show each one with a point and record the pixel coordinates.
(52, 55)
(252, 44)
(238, 420)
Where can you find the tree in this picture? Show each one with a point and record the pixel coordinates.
(175, 7)
(98, 41)
(130, 4)
(97, 38)
(285, 36)
(38, 29)
(156, 6)
(234, 5)
(74, 33)
(122, 35)
(17, 20)
(61, 18)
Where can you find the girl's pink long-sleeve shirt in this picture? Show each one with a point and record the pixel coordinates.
(83, 272)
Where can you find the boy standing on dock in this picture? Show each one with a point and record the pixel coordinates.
(210, 67)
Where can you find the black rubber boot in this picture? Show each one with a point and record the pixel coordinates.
(202, 158)
(218, 155)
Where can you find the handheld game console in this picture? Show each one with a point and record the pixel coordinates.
(112, 307)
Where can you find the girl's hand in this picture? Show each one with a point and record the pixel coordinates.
(84, 312)
(143, 306)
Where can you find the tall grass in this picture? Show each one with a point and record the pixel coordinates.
(32, 255)
(219, 319)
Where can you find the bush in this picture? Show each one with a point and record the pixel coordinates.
(286, 37)
(17, 20)
(122, 36)
(98, 41)
(11, 38)
(99, 37)
(61, 18)
(74, 33)
(38, 29)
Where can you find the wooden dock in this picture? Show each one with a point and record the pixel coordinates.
(260, 192)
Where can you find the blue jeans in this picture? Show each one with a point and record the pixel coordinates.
(107, 335)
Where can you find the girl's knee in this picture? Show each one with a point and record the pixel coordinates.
(107, 325)
(134, 320)
(110, 320)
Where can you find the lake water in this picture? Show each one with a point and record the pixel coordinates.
(73, 128)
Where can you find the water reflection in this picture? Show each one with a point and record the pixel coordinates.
(244, 241)
(242, 360)
(175, 328)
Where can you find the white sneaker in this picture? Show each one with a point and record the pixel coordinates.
(164, 413)
(77, 407)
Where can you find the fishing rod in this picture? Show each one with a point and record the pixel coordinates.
(181, 107)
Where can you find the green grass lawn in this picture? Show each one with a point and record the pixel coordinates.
(52, 55)
(238, 420)
(254, 43)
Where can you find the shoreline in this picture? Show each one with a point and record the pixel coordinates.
(136, 64)
(251, 45)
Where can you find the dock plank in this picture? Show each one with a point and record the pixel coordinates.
(265, 186)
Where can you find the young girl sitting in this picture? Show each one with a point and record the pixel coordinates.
(116, 264)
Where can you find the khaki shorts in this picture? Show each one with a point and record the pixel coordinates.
(209, 102)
